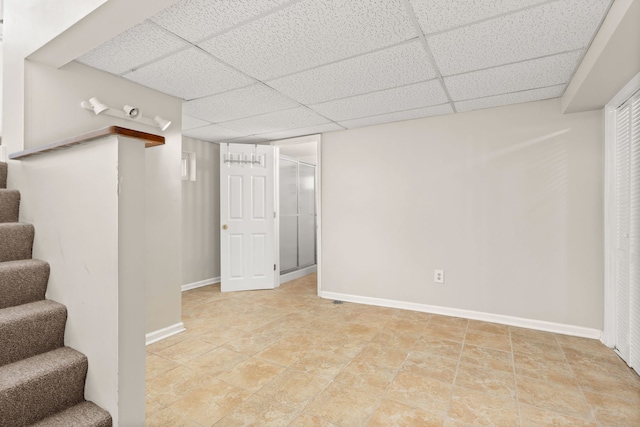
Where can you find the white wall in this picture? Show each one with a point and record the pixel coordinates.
(53, 112)
(201, 214)
(508, 201)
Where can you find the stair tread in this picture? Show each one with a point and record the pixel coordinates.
(85, 414)
(17, 238)
(23, 281)
(27, 310)
(29, 369)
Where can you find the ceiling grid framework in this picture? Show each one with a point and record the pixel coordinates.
(260, 70)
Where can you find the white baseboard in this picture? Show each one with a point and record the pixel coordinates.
(287, 277)
(200, 284)
(163, 333)
(540, 325)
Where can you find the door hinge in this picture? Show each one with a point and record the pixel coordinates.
(274, 267)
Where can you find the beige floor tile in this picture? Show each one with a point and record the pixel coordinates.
(455, 322)
(492, 341)
(438, 347)
(251, 374)
(488, 358)
(220, 336)
(492, 328)
(550, 396)
(404, 326)
(344, 406)
(294, 388)
(534, 417)
(614, 411)
(249, 343)
(174, 384)
(168, 342)
(373, 382)
(321, 364)
(157, 365)
(151, 406)
(479, 409)
(391, 413)
(259, 411)
(497, 383)
(167, 417)
(533, 335)
(443, 332)
(217, 361)
(359, 331)
(397, 340)
(282, 353)
(430, 366)
(306, 420)
(358, 367)
(523, 346)
(420, 392)
(208, 404)
(185, 350)
(382, 355)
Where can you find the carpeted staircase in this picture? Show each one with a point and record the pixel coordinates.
(41, 380)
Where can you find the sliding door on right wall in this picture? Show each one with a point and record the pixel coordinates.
(297, 214)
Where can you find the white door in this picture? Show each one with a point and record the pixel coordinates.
(247, 217)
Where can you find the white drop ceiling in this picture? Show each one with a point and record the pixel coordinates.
(260, 70)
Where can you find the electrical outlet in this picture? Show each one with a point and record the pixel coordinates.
(438, 276)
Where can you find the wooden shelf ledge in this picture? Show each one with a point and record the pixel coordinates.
(150, 140)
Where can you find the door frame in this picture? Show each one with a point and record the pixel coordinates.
(610, 313)
(317, 138)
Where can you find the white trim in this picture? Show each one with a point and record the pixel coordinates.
(541, 325)
(200, 284)
(608, 336)
(3, 153)
(287, 277)
(163, 333)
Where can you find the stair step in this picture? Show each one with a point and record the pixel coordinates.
(85, 414)
(17, 241)
(31, 329)
(9, 205)
(35, 388)
(3, 175)
(23, 281)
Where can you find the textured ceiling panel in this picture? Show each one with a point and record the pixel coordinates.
(510, 98)
(395, 66)
(212, 133)
(189, 122)
(295, 118)
(328, 127)
(544, 30)
(194, 20)
(253, 139)
(136, 46)
(312, 33)
(440, 15)
(436, 110)
(189, 74)
(542, 72)
(386, 101)
(249, 101)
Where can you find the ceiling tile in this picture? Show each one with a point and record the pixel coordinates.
(541, 72)
(253, 139)
(212, 133)
(395, 66)
(417, 113)
(294, 118)
(385, 101)
(136, 46)
(440, 15)
(194, 20)
(510, 98)
(312, 33)
(328, 127)
(248, 101)
(189, 74)
(189, 122)
(544, 30)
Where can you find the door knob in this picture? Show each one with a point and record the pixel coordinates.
(225, 226)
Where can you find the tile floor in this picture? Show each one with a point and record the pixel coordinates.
(288, 358)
